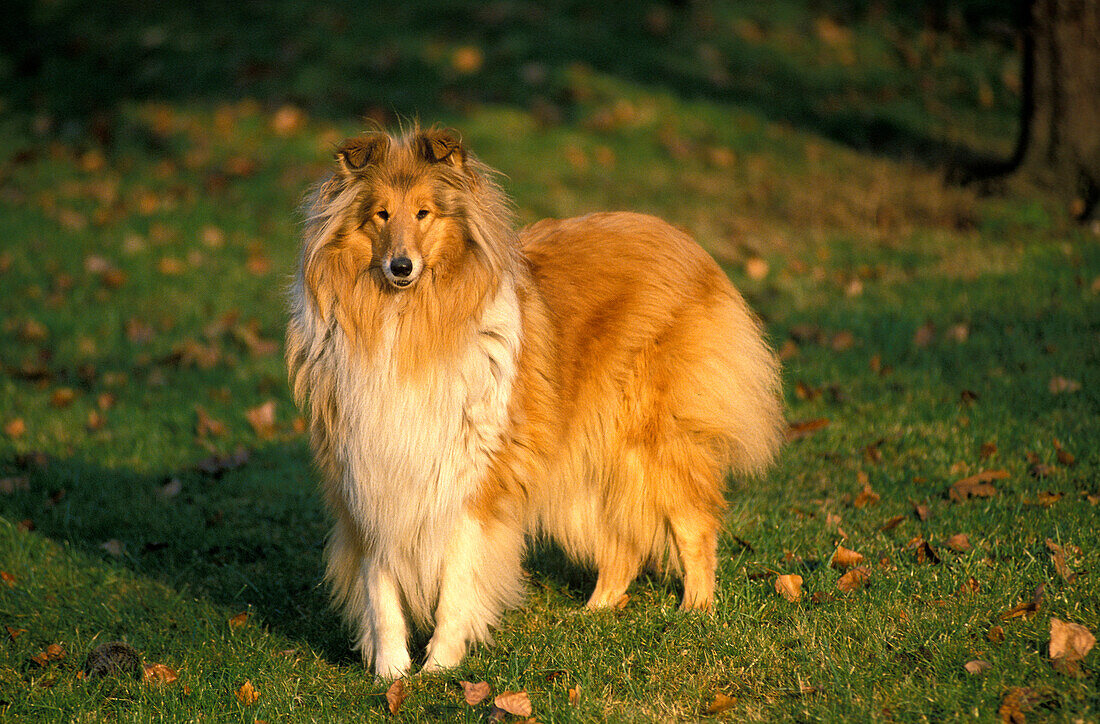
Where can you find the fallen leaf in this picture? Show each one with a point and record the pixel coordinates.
(115, 547)
(216, 465)
(170, 489)
(1064, 456)
(720, 704)
(1047, 498)
(959, 543)
(287, 120)
(1058, 558)
(891, 523)
(14, 633)
(977, 667)
(207, 426)
(924, 335)
(970, 585)
(866, 496)
(803, 428)
(853, 579)
(988, 450)
(789, 586)
(923, 550)
(996, 634)
(1069, 643)
(248, 695)
(62, 397)
(474, 694)
(620, 604)
(575, 695)
(1026, 608)
(921, 511)
(844, 558)
(262, 419)
(395, 696)
(976, 485)
(14, 483)
(239, 620)
(1059, 385)
(514, 702)
(1017, 702)
(15, 428)
(756, 268)
(842, 340)
(159, 674)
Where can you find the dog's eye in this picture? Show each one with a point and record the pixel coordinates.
(382, 214)
(422, 214)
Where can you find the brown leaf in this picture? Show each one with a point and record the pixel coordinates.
(14, 483)
(62, 397)
(1047, 498)
(15, 428)
(514, 702)
(620, 604)
(217, 464)
(240, 620)
(575, 695)
(1069, 643)
(844, 558)
(114, 546)
(720, 704)
(924, 335)
(262, 419)
(996, 634)
(923, 550)
(959, 543)
(891, 523)
(976, 485)
(1017, 702)
(14, 633)
(789, 586)
(977, 667)
(247, 694)
(1026, 608)
(756, 268)
(805, 427)
(474, 694)
(208, 426)
(159, 674)
(1064, 456)
(842, 341)
(853, 579)
(1059, 385)
(866, 496)
(1058, 558)
(395, 695)
(920, 510)
(988, 450)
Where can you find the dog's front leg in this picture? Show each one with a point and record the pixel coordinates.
(482, 575)
(385, 624)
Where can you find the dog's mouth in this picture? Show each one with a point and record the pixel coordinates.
(401, 283)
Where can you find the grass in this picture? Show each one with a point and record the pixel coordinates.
(150, 226)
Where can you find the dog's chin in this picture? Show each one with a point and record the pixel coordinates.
(400, 283)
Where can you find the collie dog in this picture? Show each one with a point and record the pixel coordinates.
(589, 380)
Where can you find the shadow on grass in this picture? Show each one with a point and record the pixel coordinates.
(78, 60)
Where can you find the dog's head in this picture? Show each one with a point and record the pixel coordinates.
(412, 200)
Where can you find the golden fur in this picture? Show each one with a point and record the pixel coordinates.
(591, 380)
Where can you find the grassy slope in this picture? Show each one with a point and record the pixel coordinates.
(783, 136)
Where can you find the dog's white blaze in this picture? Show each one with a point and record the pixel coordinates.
(412, 453)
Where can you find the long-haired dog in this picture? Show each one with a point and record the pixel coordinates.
(591, 380)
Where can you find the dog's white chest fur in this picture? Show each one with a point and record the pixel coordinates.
(417, 448)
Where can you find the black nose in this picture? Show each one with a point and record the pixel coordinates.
(402, 266)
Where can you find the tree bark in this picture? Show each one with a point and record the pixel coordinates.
(1059, 141)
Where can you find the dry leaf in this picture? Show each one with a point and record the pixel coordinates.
(924, 335)
(1026, 608)
(1017, 702)
(988, 450)
(1059, 384)
(853, 579)
(844, 558)
(802, 429)
(247, 694)
(114, 547)
(920, 510)
(207, 426)
(977, 667)
(866, 496)
(891, 523)
(160, 674)
(976, 485)
(15, 427)
(1047, 498)
(14, 483)
(1069, 643)
(14, 633)
(395, 696)
(262, 419)
(789, 586)
(1064, 456)
(514, 702)
(62, 397)
(170, 489)
(575, 695)
(959, 543)
(756, 268)
(1058, 558)
(239, 620)
(996, 634)
(924, 552)
(720, 704)
(620, 604)
(474, 693)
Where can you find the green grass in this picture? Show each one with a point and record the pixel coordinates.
(149, 210)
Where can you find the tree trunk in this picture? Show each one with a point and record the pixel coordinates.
(1060, 137)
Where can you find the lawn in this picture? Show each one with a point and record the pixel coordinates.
(941, 351)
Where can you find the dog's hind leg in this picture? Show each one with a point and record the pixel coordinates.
(696, 537)
(482, 575)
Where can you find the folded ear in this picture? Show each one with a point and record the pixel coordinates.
(357, 153)
(441, 145)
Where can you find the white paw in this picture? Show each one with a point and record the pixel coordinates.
(444, 655)
(392, 666)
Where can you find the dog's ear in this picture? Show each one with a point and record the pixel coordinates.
(358, 153)
(441, 146)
